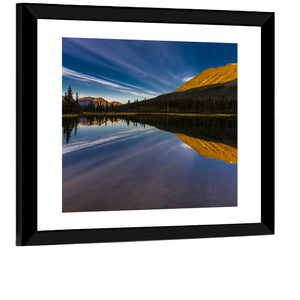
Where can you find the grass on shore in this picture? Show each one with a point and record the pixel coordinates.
(141, 113)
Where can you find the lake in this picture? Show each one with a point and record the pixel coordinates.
(148, 162)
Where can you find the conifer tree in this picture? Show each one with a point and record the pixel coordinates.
(70, 94)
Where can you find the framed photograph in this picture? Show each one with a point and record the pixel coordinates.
(138, 124)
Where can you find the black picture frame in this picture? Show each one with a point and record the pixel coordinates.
(27, 153)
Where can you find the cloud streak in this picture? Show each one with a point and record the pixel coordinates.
(185, 79)
(122, 87)
(117, 138)
(83, 77)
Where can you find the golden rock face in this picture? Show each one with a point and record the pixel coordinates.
(211, 76)
(100, 101)
(210, 149)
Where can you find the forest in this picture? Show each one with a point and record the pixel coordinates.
(220, 98)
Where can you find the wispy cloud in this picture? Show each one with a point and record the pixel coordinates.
(118, 53)
(187, 78)
(117, 85)
(83, 77)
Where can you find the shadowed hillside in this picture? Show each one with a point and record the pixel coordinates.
(217, 98)
(215, 92)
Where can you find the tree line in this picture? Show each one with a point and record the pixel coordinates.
(183, 105)
(70, 104)
(205, 104)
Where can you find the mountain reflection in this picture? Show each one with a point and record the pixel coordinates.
(97, 121)
(211, 137)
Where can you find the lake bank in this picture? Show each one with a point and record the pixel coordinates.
(140, 113)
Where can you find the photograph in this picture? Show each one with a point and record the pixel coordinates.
(148, 124)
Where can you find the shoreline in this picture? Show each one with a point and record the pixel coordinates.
(141, 113)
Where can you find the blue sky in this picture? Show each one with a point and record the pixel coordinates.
(122, 70)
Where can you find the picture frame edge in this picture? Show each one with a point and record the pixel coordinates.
(26, 194)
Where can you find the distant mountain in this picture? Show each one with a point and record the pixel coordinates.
(115, 103)
(212, 90)
(101, 101)
(211, 76)
(215, 98)
(217, 92)
(85, 101)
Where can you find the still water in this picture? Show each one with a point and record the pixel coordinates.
(143, 162)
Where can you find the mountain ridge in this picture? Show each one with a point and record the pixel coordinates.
(216, 91)
(97, 101)
(211, 76)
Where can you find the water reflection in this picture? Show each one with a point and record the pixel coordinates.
(211, 137)
(143, 162)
